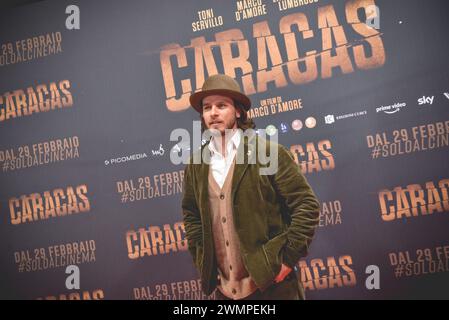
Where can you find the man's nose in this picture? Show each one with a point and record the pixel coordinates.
(214, 110)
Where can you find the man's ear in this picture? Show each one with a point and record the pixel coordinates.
(238, 113)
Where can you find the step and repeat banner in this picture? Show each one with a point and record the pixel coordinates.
(90, 92)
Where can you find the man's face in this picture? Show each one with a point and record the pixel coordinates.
(220, 113)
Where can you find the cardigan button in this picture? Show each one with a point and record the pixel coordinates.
(223, 219)
(222, 196)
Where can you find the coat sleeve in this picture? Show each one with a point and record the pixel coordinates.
(303, 206)
(191, 215)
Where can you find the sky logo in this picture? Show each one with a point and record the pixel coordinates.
(426, 100)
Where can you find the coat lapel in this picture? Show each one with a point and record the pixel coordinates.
(203, 189)
(240, 168)
(204, 182)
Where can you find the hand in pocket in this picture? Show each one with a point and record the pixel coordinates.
(285, 271)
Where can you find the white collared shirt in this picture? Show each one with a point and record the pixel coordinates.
(218, 163)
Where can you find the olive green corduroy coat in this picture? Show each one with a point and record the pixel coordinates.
(275, 217)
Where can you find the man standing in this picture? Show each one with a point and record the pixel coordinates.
(246, 231)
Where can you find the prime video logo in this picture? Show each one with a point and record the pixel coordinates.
(392, 108)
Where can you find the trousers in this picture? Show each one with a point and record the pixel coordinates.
(288, 289)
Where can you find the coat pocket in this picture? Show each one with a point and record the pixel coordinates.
(265, 263)
(258, 268)
(273, 252)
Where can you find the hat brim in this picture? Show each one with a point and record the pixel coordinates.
(196, 98)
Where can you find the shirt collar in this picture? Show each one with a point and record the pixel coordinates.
(234, 142)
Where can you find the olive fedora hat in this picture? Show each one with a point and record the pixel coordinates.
(220, 84)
